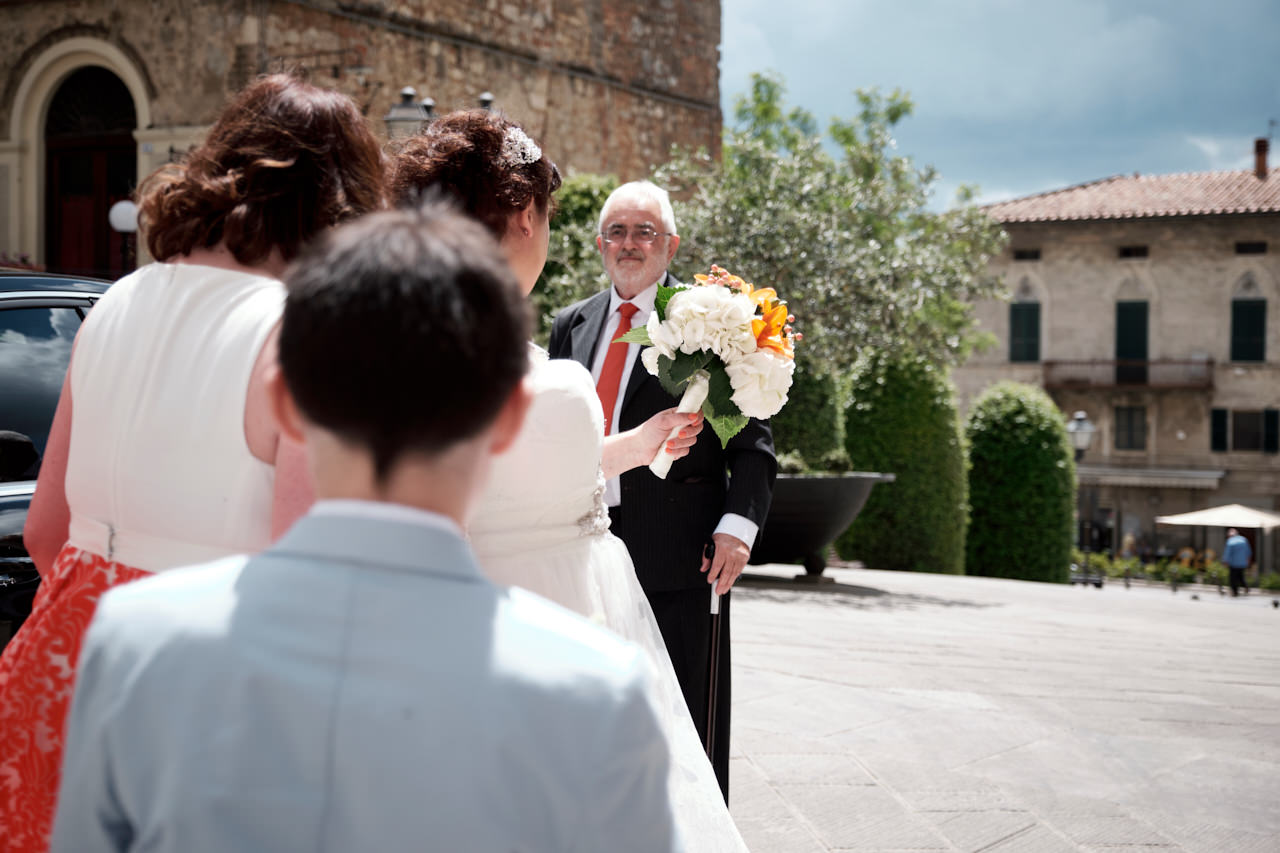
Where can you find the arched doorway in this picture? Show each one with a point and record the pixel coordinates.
(91, 162)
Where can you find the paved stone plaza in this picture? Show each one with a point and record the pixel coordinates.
(894, 711)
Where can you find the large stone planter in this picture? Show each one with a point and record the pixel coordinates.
(807, 514)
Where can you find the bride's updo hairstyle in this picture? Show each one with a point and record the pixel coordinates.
(284, 161)
(482, 161)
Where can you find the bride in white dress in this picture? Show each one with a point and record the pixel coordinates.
(542, 524)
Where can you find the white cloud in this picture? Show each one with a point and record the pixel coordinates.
(1224, 153)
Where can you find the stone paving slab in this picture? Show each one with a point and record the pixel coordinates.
(894, 711)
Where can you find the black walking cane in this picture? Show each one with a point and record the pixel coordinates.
(709, 551)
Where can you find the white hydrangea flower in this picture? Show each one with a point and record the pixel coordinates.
(664, 336)
(693, 334)
(760, 382)
(731, 321)
(712, 318)
(649, 358)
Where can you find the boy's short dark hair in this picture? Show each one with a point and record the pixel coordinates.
(404, 330)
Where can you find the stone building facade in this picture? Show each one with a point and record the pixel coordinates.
(605, 86)
(1151, 303)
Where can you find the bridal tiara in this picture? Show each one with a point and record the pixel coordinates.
(518, 149)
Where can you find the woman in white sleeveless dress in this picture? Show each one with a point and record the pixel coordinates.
(542, 523)
(163, 451)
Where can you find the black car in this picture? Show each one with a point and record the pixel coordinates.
(40, 314)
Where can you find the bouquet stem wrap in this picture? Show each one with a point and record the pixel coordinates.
(695, 394)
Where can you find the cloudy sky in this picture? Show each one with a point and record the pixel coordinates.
(1020, 96)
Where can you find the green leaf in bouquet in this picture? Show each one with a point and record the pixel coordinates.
(720, 393)
(724, 416)
(671, 386)
(687, 364)
(638, 335)
(664, 296)
(674, 373)
(726, 426)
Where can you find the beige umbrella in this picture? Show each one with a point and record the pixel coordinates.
(1231, 515)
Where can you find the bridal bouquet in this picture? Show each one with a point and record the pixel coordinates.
(725, 347)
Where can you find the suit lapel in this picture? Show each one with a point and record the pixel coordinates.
(585, 336)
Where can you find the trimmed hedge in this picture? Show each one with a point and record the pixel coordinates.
(809, 431)
(903, 421)
(1022, 481)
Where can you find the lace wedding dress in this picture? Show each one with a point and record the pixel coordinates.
(542, 525)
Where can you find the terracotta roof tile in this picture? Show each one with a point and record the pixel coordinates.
(1146, 196)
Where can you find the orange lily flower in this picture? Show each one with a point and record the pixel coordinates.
(763, 297)
(770, 330)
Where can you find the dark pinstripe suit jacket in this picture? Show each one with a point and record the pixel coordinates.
(665, 522)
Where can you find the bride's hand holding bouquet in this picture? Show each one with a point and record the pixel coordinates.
(668, 431)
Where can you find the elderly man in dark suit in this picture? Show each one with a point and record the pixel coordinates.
(714, 495)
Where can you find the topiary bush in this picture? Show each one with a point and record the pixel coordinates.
(1021, 486)
(809, 431)
(903, 420)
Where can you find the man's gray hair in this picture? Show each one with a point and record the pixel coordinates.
(643, 191)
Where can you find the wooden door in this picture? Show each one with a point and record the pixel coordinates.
(90, 164)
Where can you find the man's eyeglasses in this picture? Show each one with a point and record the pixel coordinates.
(645, 234)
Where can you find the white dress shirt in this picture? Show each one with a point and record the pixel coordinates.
(735, 525)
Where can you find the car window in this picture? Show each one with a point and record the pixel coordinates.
(35, 347)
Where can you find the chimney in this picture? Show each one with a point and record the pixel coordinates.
(1260, 158)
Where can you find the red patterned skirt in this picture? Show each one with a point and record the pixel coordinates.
(37, 677)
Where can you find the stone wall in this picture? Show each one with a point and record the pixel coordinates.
(605, 85)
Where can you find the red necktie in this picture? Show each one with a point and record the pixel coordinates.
(614, 361)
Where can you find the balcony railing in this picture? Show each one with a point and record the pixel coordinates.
(1171, 374)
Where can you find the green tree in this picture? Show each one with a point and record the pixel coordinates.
(838, 224)
(903, 419)
(573, 269)
(846, 238)
(1021, 486)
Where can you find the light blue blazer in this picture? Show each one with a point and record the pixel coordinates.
(358, 686)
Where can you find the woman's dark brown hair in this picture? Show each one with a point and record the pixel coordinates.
(461, 157)
(285, 160)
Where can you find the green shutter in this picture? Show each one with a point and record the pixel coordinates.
(1248, 330)
(1218, 431)
(1270, 431)
(1024, 331)
(1131, 342)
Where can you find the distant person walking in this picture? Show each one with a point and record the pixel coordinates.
(1237, 555)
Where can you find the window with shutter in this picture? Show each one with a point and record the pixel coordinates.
(1248, 330)
(1131, 427)
(1131, 342)
(1218, 431)
(1024, 331)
